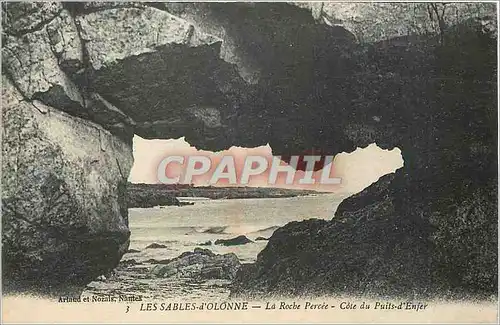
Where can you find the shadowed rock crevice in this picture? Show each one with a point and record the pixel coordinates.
(174, 110)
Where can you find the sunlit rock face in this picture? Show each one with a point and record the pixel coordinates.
(248, 74)
(64, 216)
(376, 22)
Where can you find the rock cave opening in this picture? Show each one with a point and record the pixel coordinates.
(102, 72)
(223, 219)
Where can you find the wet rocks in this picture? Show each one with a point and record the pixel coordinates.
(405, 235)
(363, 250)
(129, 262)
(199, 264)
(155, 246)
(240, 240)
(155, 261)
(370, 249)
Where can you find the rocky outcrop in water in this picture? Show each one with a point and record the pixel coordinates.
(199, 264)
(156, 246)
(79, 79)
(240, 240)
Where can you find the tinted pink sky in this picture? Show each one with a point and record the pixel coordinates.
(357, 170)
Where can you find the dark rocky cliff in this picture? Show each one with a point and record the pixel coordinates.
(431, 228)
(79, 79)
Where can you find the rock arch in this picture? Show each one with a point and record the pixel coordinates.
(80, 79)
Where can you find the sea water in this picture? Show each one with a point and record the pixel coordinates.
(183, 228)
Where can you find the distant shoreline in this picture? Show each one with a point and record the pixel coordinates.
(142, 195)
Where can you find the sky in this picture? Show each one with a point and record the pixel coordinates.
(356, 170)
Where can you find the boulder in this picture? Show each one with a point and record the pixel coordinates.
(163, 271)
(368, 239)
(240, 240)
(64, 215)
(30, 56)
(200, 264)
(369, 249)
(156, 245)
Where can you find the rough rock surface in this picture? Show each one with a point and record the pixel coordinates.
(367, 248)
(30, 58)
(64, 220)
(430, 229)
(199, 264)
(376, 22)
(248, 74)
(240, 240)
(174, 53)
